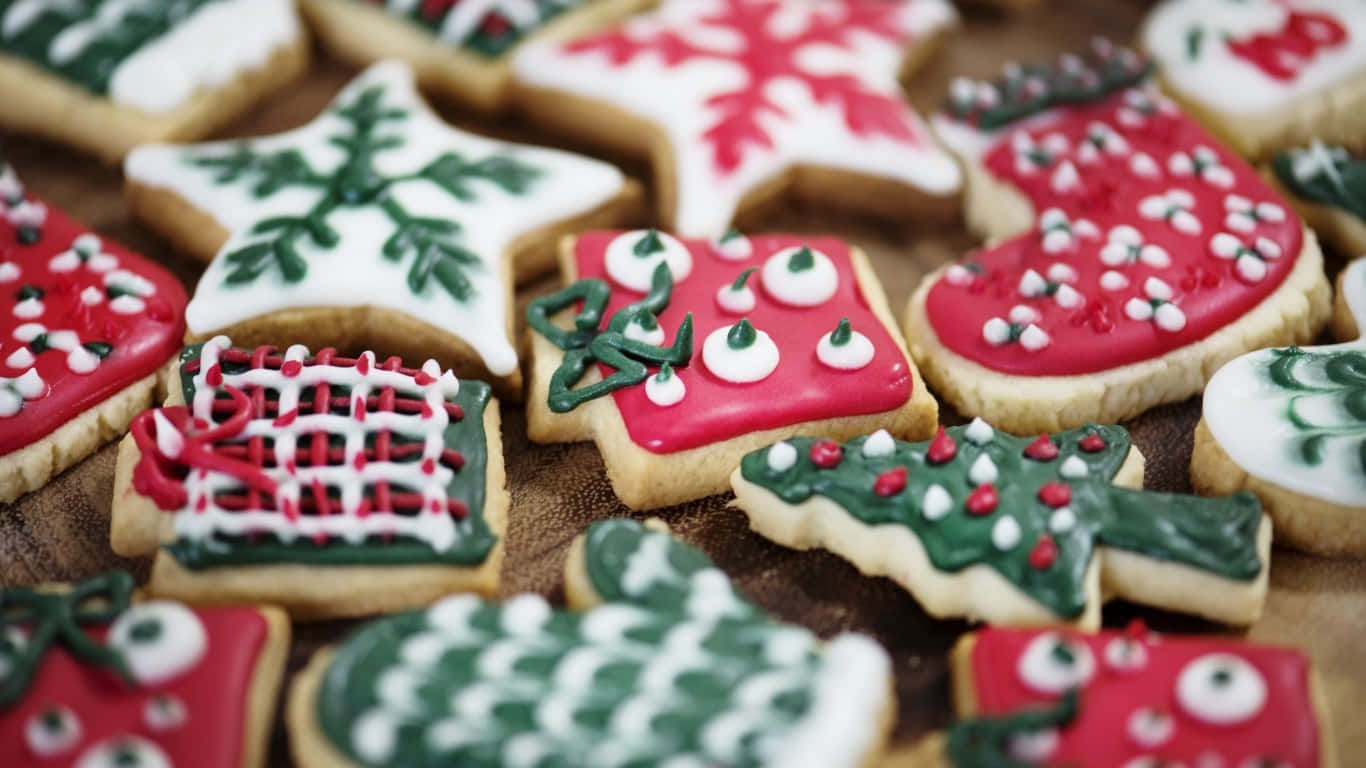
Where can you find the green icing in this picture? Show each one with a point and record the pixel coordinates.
(742, 335)
(432, 244)
(1338, 374)
(118, 29)
(474, 540)
(497, 31)
(1325, 175)
(589, 343)
(653, 674)
(1217, 535)
(985, 742)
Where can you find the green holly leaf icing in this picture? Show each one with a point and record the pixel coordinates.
(674, 666)
(1037, 546)
(985, 742)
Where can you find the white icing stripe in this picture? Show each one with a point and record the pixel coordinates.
(842, 725)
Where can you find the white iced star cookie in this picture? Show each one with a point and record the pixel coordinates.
(374, 226)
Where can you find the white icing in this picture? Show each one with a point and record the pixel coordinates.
(1220, 80)
(1175, 207)
(667, 392)
(14, 391)
(28, 308)
(1045, 671)
(112, 753)
(9, 271)
(846, 705)
(804, 132)
(28, 213)
(983, 471)
(736, 301)
(1125, 246)
(1205, 696)
(632, 271)
(354, 274)
(176, 641)
(1034, 746)
(1062, 520)
(996, 331)
(1065, 178)
(636, 331)
(733, 247)
(1149, 728)
(878, 444)
(20, 358)
(1005, 533)
(164, 712)
(808, 287)
(1034, 338)
(1125, 654)
(937, 503)
(854, 354)
(49, 739)
(781, 457)
(979, 432)
(1243, 215)
(1111, 280)
(740, 366)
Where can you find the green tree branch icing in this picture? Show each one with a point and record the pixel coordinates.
(587, 343)
(1326, 175)
(985, 742)
(57, 617)
(431, 244)
(1339, 375)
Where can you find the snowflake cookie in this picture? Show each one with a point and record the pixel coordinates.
(374, 226)
(92, 677)
(1011, 530)
(659, 662)
(739, 100)
(677, 356)
(107, 75)
(1265, 74)
(1133, 254)
(1289, 424)
(86, 328)
(328, 485)
(460, 48)
(1133, 699)
(1327, 184)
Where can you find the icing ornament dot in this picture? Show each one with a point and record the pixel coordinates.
(737, 298)
(937, 503)
(826, 454)
(979, 432)
(983, 500)
(159, 640)
(1005, 533)
(1073, 468)
(632, 257)
(52, 731)
(644, 328)
(164, 713)
(800, 276)
(665, 388)
(878, 444)
(1125, 654)
(733, 246)
(1149, 727)
(844, 348)
(983, 470)
(1062, 520)
(781, 457)
(1052, 664)
(739, 353)
(1034, 746)
(1221, 688)
(124, 751)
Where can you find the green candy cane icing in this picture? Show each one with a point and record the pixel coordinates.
(1034, 510)
(1325, 175)
(674, 669)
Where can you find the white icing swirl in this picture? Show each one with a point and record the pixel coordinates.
(634, 271)
(808, 287)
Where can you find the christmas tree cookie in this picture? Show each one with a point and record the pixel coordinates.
(86, 328)
(462, 49)
(1010, 530)
(738, 102)
(1328, 187)
(1289, 424)
(678, 356)
(660, 664)
(1265, 74)
(1134, 699)
(332, 486)
(107, 75)
(376, 226)
(1132, 254)
(90, 676)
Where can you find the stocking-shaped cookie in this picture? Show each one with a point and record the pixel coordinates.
(1011, 530)
(1328, 186)
(1133, 699)
(1135, 255)
(1289, 424)
(90, 678)
(85, 328)
(665, 666)
(739, 101)
(332, 486)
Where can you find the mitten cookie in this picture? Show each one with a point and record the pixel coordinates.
(107, 75)
(460, 48)
(331, 486)
(1328, 187)
(1265, 74)
(1134, 699)
(376, 226)
(86, 328)
(1289, 425)
(93, 677)
(739, 102)
(1011, 530)
(665, 666)
(1132, 257)
(678, 356)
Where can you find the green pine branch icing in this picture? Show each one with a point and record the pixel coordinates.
(587, 343)
(985, 742)
(1045, 551)
(431, 246)
(1328, 398)
(673, 666)
(1326, 175)
(491, 36)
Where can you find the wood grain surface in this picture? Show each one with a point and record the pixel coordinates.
(61, 531)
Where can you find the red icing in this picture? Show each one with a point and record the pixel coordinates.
(1055, 494)
(1092, 443)
(801, 389)
(214, 693)
(1283, 54)
(891, 482)
(942, 447)
(826, 454)
(1042, 449)
(1285, 729)
(1044, 553)
(768, 55)
(1096, 334)
(141, 342)
(983, 500)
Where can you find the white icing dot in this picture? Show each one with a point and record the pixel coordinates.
(1125, 654)
(164, 713)
(1250, 268)
(1156, 289)
(1023, 314)
(524, 615)
(937, 502)
(159, 640)
(9, 271)
(996, 331)
(1169, 317)
(781, 457)
(1111, 280)
(52, 731)
(1221, 689)
(979, 432)
(1144, 166)
(1066, 178)
(636, 331)
(1032, 284)
(733, 247)
(1034, 338)
(30, 385)
(124, 750)
(1149, 728)
(737, 301)
(634, 271)
(1062, 520)
(739, 366)
(1067, 297)
(1073, 468)
(880, 443)
(1034, 746)
(958, 275)
(1052, 664)
(1005, 533)
(1138, 309)
(129, 305)
(29, 308)
(665, 393)
(806, 287)
(374, 736)
(81, 360)
(20, 358)
(983, 471)
(854, 354)
(92, 295)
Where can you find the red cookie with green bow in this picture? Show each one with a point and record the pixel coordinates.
(1133, 256)
(86, 329)
(677, 356)
(91, 676)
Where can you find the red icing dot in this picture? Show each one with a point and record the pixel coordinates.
(214, 376)
(1055, 494)
(1042, 449)
(891, 482)
(1092, 443)
(826, 454)
(286, 418)
(363, 365)
(359, 461)
(1044, 553)
(422, 378)
(942, 448)
(983, 500)
(291, 368)
(428, 466)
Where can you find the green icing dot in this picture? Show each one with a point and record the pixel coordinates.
(30, 292)
(1222, 676)
(842, 333)
(648, 245)
(666, 372)
(742, 335)
(99, 348)
(802, 260)
(145, 631)
(1064, 653)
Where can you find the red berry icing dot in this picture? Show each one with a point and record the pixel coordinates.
(983, 500)
(1042, 449)
(1092, 443)
(942, 448)
(1044, 553)
(826, 454)
(1055, 494)
(891, 482)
